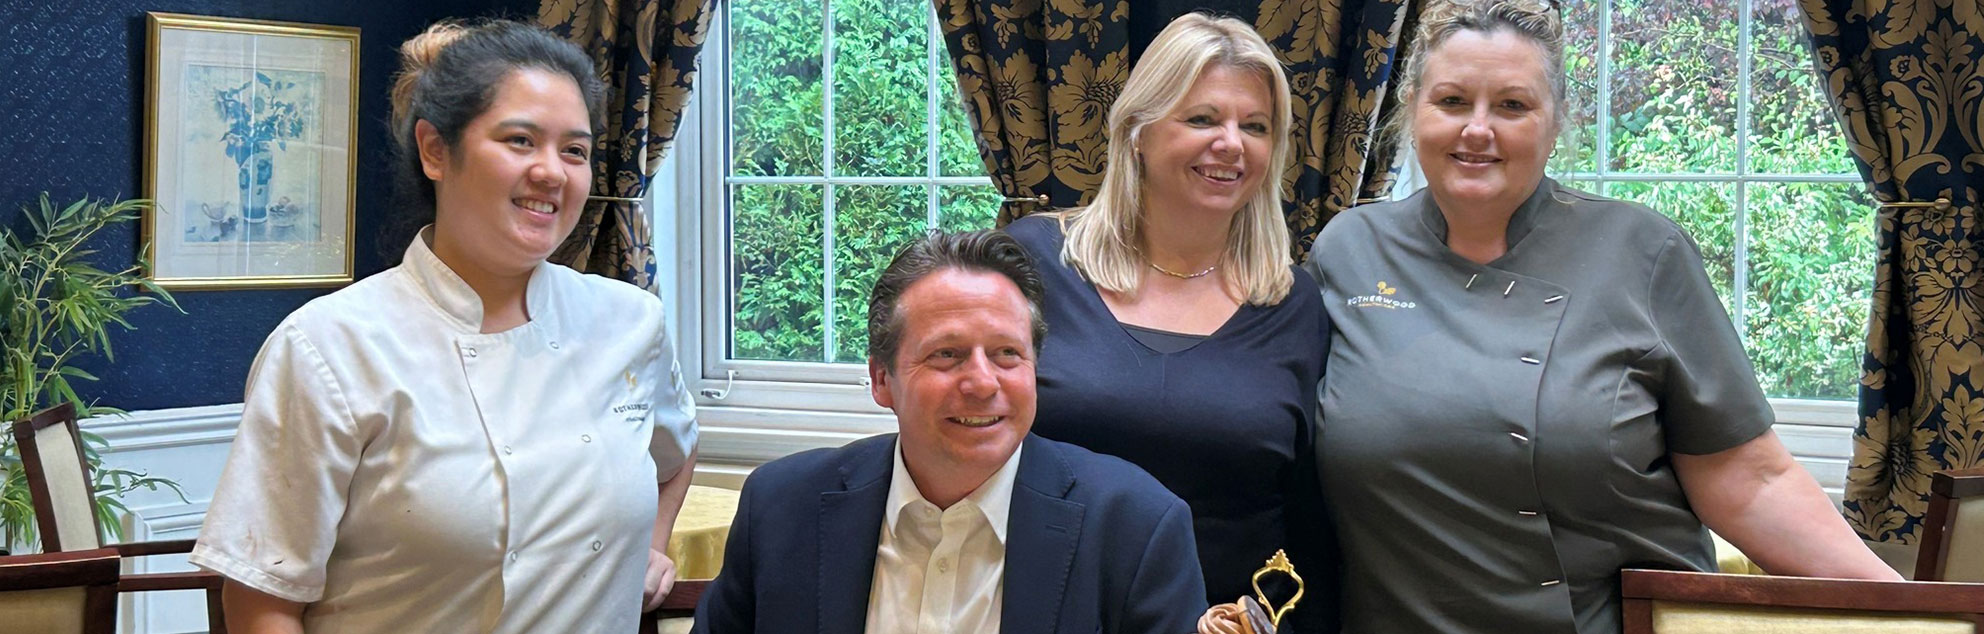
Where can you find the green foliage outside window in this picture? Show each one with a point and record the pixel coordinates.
(881, 127)
(1674, 109)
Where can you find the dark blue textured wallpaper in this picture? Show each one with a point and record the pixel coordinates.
(72, 124)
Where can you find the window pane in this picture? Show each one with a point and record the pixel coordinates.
(1578, 145)
(1674, 86)
(775, 272)
(1792, 127)
(881, 83)
(871, 223)
(968, 207)
(957, 144)
(1707, 212)
(776, 115)
(1811, 262)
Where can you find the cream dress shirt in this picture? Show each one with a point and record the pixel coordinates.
(399, 471)
(939, 571)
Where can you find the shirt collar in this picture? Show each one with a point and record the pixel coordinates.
(1521, 222)
(457, 300)
(994, 498)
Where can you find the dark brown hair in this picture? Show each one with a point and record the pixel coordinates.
(986, 250)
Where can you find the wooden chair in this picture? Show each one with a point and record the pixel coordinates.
(59, 593)
(679, 604)
(59, 483)
(1669, 602)
(1952, 546)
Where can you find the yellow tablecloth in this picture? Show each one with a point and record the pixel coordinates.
(701, 530)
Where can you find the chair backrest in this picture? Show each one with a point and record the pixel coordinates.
(59, 480)
(1669, 602)
(59, 593)
(1952, 546)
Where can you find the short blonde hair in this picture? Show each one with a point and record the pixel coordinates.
(1103, 238)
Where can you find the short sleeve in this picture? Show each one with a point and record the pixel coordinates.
(275, 512)
(1709, 397)
(675, 431)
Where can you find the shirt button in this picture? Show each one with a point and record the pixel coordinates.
(1520, 439)
(1552, 582)
(596, 545)
(513, 556)
(944, 565)
(1532, 360)
(506, 450)
(585, 437)
(554, 345)
(469, 352)
(1526, 513)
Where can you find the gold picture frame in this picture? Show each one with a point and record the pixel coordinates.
(251, 152)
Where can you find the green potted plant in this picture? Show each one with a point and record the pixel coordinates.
(57, 307)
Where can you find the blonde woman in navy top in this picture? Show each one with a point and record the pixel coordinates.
(1182, 338)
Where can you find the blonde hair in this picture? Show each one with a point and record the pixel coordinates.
(1536, 21)
(1103, 238)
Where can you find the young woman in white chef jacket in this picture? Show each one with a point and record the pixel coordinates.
(476, 439)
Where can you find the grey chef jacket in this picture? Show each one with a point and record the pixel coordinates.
(1494, 438)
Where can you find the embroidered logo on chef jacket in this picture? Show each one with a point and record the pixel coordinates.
(631, 382)
(1381, 300)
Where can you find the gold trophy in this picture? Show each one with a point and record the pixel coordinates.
(1255, 614)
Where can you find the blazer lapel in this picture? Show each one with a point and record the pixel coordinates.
(850, 530)
(1041, 534)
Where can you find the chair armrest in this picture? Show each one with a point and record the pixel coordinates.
(1801, 592)
(161, 581)
(165, 547)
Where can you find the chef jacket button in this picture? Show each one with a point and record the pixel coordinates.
(470, 352)
(596, 545)
(554, 345)
(506, 450)
(513, 555)
(585, 437)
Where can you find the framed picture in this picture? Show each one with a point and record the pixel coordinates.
(250, 152)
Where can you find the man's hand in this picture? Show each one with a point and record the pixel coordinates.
(660, 579)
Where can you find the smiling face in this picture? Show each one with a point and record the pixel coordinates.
(511, 188)
(962, 382)
(1209, 154)
(1483, 120)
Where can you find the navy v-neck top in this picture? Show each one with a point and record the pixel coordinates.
(1225, 424)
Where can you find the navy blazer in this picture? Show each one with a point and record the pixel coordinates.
(1093, 544)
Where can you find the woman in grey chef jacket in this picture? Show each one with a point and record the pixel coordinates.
(476, 439)
(1530, 386)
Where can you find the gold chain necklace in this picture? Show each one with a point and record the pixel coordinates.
(1182, 276)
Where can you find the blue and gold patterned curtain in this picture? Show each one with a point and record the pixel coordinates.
(1038, 77)
(646, 50)
(1905, 79)
(1339, 55)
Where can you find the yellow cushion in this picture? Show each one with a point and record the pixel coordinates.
(53, 611)
(1965, 559)
(676, 626)
(1730, 561)
(1700, 618)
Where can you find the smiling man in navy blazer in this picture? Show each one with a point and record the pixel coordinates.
(964, 521)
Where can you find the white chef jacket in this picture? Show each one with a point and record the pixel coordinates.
(399, 471)
(939, 571)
